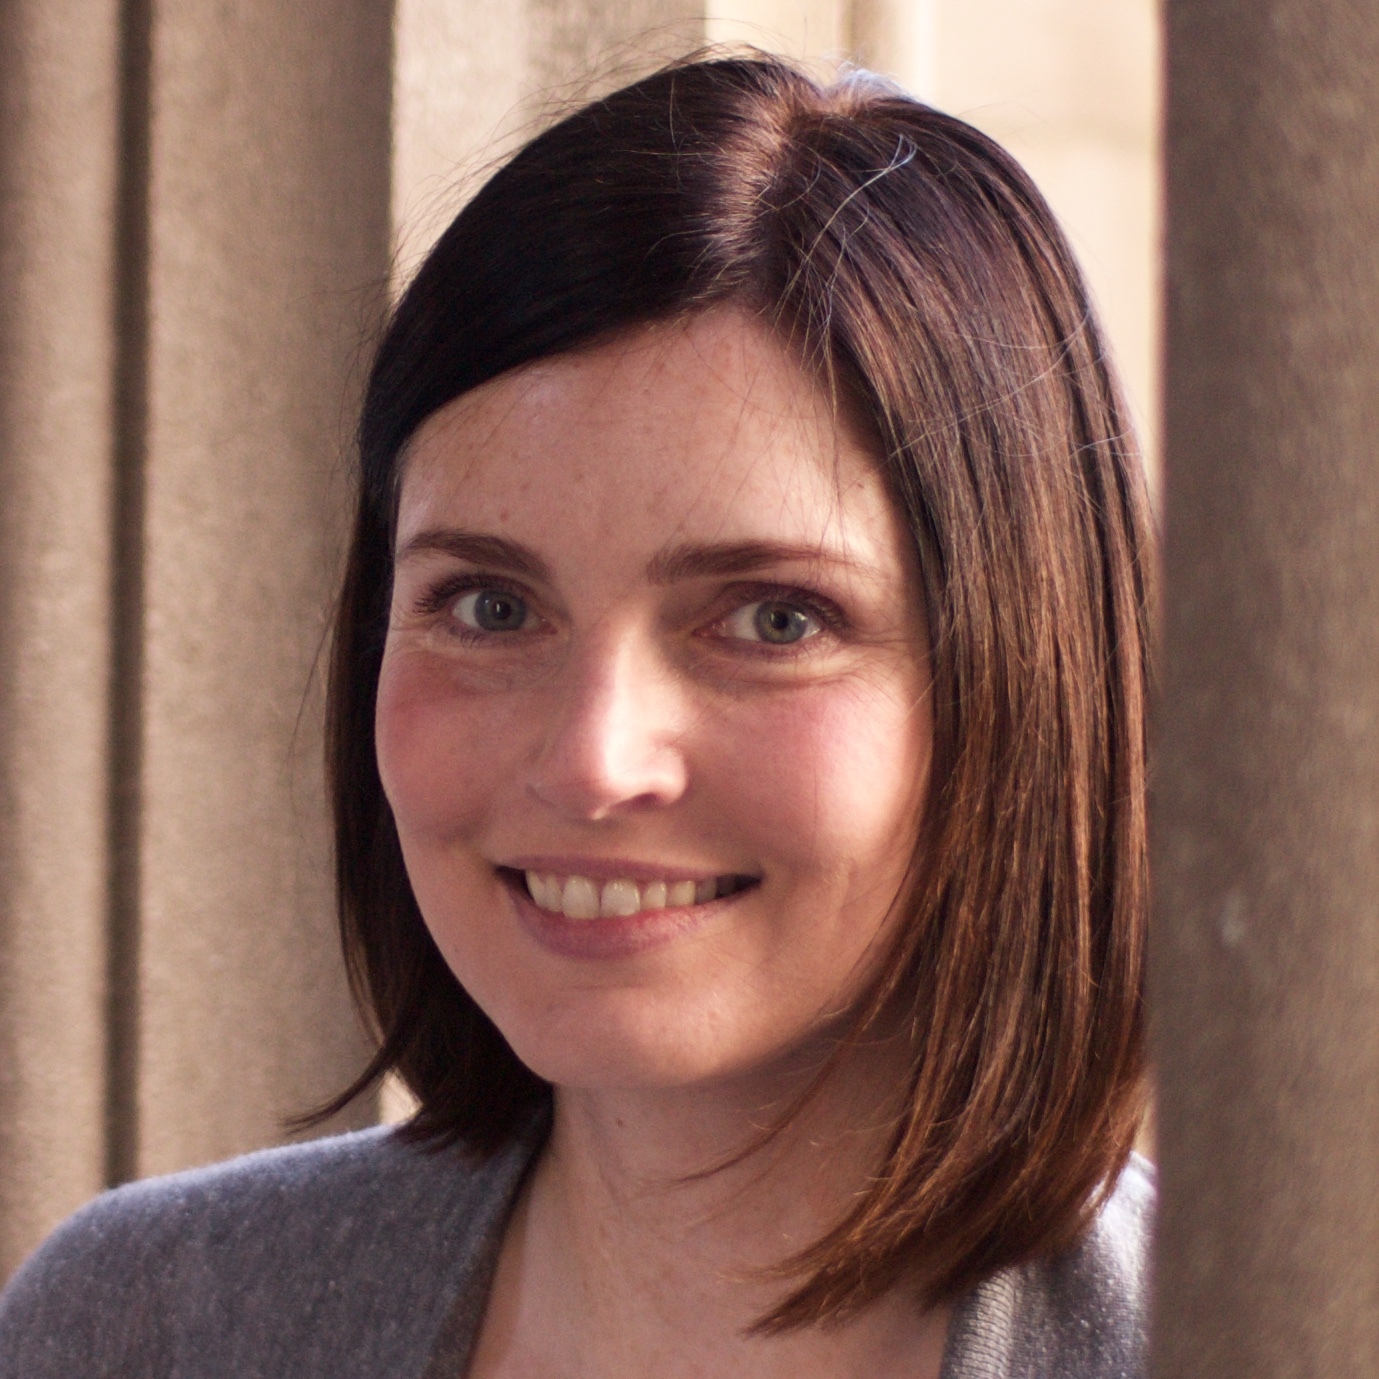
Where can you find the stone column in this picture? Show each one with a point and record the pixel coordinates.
(1266, 983)
(59, 141)
(194, 248)
(266, 261)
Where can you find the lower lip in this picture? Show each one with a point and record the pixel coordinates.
(616, 936)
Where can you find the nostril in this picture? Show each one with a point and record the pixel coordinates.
(595, 790)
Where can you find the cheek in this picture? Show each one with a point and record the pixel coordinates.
(436, 747)
(836, 775)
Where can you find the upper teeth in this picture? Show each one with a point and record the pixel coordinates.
(577, 897)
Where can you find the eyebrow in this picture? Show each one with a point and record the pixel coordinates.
(494, 551)
(695, 560)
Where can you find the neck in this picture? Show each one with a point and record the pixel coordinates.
(646, 1235)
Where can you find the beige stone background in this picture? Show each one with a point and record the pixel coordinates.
(202, 210)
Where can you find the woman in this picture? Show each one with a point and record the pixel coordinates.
(738, 754)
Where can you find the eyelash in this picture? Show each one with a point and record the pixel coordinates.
(827, 613)
(441, 597)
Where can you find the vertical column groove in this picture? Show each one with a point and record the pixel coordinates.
(127, 593)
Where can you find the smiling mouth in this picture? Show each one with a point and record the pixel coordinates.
(579, 897)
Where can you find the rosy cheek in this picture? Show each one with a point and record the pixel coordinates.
(430, 746)
(839, 773)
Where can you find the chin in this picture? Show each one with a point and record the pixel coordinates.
(621, 1045)
(622, 1041)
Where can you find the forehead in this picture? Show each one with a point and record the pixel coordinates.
(705, 428)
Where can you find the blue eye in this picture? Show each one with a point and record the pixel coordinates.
(780, 623)
(492, 610)
(772, 621)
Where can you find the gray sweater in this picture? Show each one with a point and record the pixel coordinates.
(361, 1256)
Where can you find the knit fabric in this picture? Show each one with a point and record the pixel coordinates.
(360, 1257)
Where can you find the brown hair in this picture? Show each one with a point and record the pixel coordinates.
(912, 262)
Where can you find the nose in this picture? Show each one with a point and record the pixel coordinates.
(615, 741)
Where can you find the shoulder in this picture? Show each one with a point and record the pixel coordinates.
(1079, 1315)
(334, 1257)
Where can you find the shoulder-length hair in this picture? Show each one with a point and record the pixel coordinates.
(911, 262)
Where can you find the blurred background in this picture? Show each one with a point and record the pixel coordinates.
(204, 208)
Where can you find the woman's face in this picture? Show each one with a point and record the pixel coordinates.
(653, 714)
